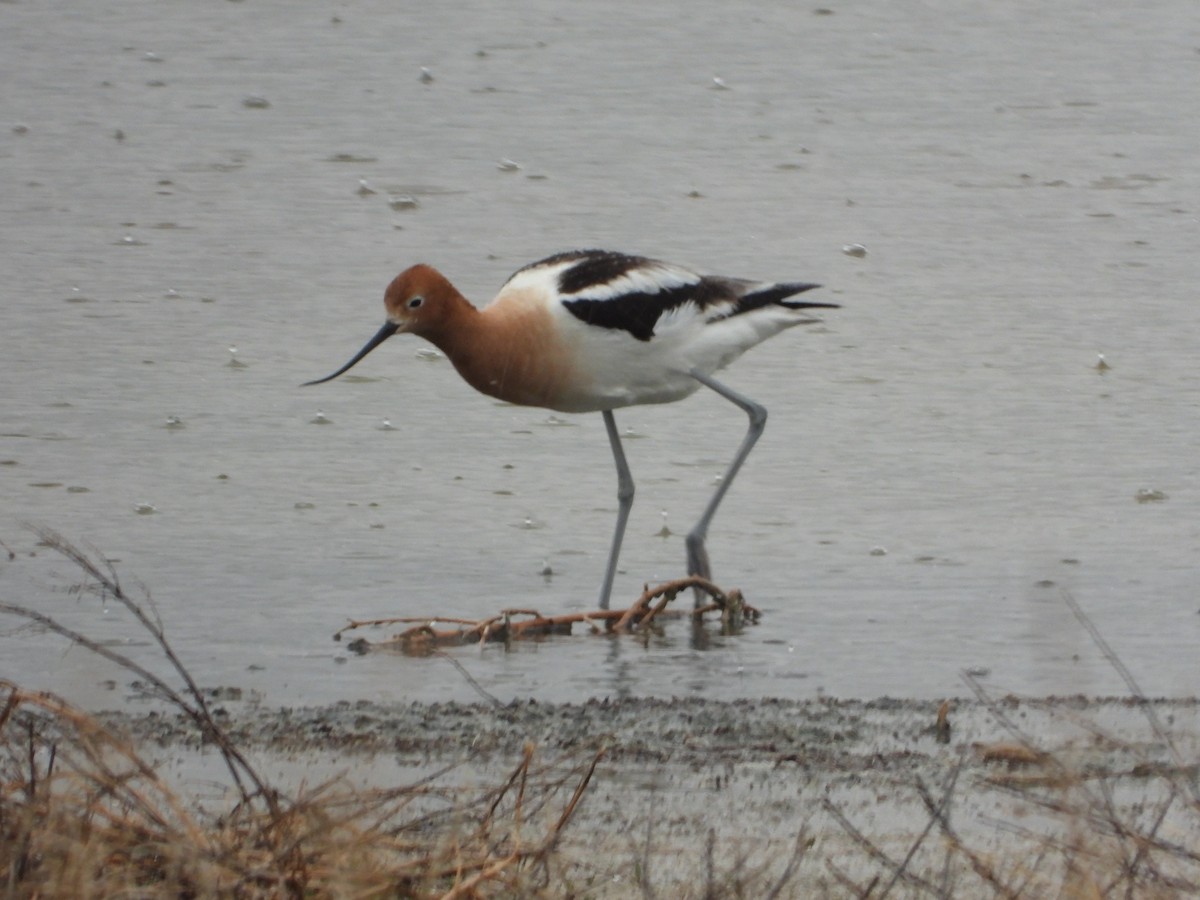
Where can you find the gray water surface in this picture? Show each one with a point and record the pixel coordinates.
(943, 458)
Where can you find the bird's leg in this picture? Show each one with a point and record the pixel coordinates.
(624, 501)
(696, 554)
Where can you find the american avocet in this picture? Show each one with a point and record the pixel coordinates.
(592, 331)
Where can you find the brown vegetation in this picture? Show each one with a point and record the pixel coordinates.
(83, 815)
(426, 635)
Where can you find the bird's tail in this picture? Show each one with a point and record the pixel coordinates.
(778, 293)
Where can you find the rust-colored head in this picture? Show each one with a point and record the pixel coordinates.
(418, 301)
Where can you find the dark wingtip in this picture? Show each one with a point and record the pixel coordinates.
(778, 293)
(806, 304)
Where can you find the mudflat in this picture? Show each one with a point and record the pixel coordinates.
(842, 791)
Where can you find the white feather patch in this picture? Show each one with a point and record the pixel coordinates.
(646, 279)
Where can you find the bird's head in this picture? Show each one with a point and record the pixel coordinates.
(418, 301)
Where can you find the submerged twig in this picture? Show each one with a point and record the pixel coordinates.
(470, 679)
(428, 633)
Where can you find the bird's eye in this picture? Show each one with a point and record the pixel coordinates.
(415, 302)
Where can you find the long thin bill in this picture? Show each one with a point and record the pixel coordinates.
(381, 335)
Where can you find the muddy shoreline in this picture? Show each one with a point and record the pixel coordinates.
(831, 734)
(749, 778)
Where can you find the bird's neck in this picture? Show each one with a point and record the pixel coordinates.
(462, 334)
(506, 352)
(458, 331)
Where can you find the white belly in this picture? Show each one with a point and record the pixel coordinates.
(611, 368)
(614, 369)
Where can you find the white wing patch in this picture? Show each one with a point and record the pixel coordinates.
(650, 278)
(541, 281)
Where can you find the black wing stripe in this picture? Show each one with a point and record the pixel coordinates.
(587, 261)
(598, 268)
(638, 313)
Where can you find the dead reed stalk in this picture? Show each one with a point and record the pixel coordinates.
(1087, 842)
(84, 815)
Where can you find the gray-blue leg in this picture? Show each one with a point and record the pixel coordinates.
(624, 504)
(697, 555)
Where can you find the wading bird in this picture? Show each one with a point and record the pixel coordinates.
(593, 331)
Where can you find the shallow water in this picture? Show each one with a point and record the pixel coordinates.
(943, 458)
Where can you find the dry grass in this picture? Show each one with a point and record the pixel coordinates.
(1130, 830)
(1080, 843)
(83, 815)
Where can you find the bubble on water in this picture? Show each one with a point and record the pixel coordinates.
(234, 362)
(145, 509)
(858, 251)
(718, 84)
(320, 419)
(665, 531)
(253, 101)
(403, 202)
(387, 425)
(426, 77)
(1149, 495)
(879, 551)
(508, 165)
(364, 189)
(174, 422)
(428, 354)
